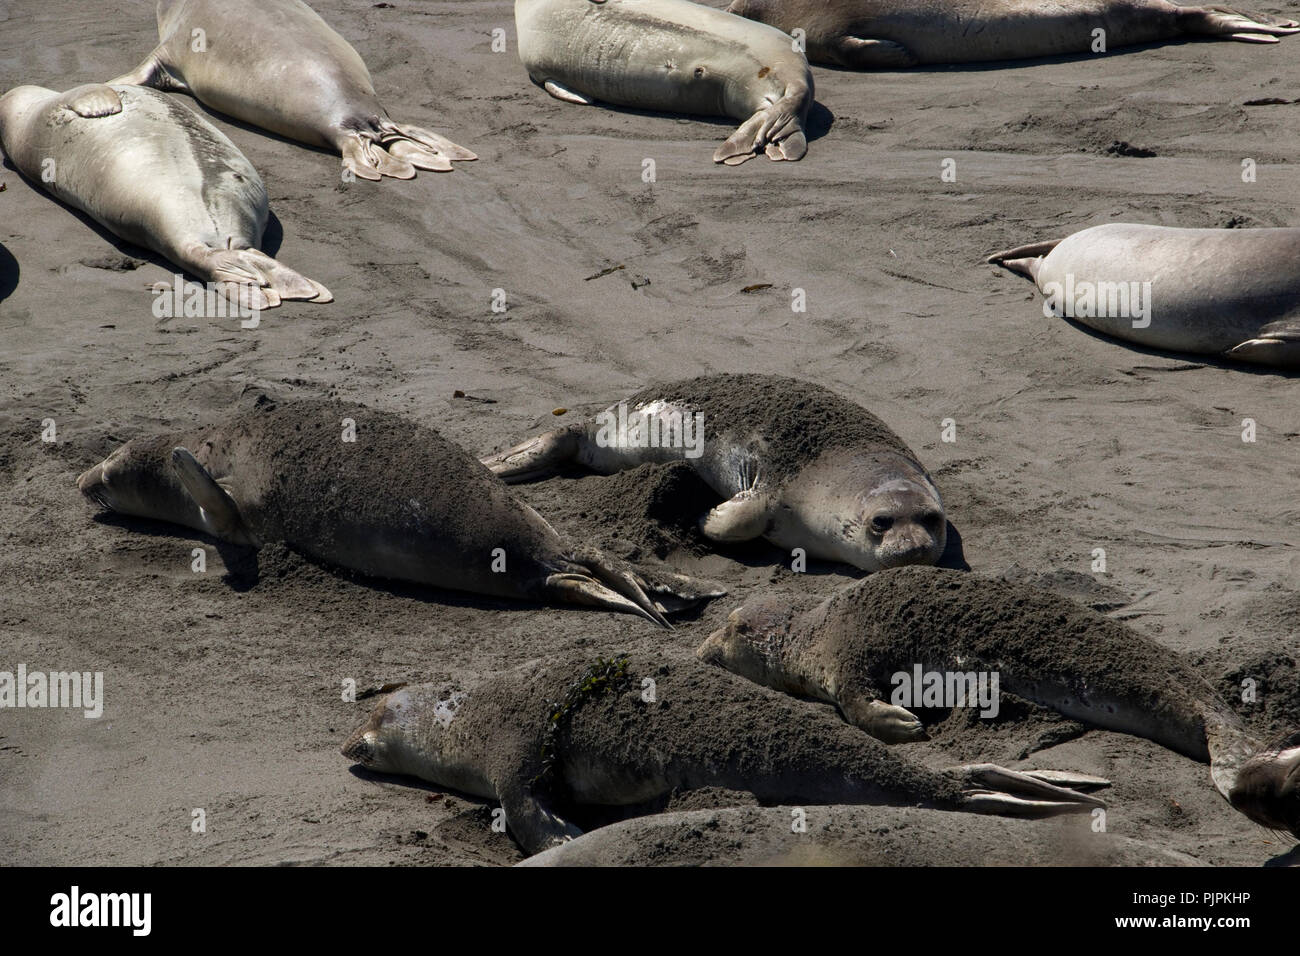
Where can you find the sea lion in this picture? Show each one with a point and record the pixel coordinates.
(393, 500)
(798, 465)
(1044, 648)
(674, 56)
(276, 64)
(551, 736)
(155, 173)
(890, 34)
(1231, 292)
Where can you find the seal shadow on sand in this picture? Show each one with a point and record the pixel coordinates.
(819, 123)
(1190, 360)
(1020, 63)
(8, 273)
(272, 237)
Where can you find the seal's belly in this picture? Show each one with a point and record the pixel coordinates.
(1194, 290)
(634, 53)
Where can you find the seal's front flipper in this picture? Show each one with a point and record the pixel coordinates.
(885, 722)
(988, 788)
(152, 73)
(864, 53)
(93, 101)
(531, 822)
(742, 518)
(220, 512)
(251, 278)
(1277, 345)
(566, 94)
(537, 457)
(1235, 24)
(1024, 260)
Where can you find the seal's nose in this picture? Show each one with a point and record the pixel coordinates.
(360, 746)
(909, 544)
(94, 485)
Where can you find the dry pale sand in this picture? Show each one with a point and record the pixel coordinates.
(228, 698)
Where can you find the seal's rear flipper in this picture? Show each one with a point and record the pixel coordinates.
(586, 590)
(93, 101)
(250, 278)
(1083, 782)
(397, 151)
(775, 130)
(152, 73)
(220, 512)
(537, 457)
(988, 788)
(1024, 260)
(1277, 345)
(1235, 24)
(1266, 788)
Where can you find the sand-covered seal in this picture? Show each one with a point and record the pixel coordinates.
(396, 501)
(157, 174)
(677, 57)
(555, 735)
(1231, 292)
(798, 465)
(276, 64)
(889, 34)
(1044, 648)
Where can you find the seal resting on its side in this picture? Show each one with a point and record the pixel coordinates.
(568, 731)
(396, 501)
(276, 64)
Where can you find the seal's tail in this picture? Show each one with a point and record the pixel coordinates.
(537, 457)
(398, 150)
(252, 279)
(776, 130)
(1236, 25)
(1024, 260)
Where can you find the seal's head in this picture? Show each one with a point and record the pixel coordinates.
(903, 523)
(15, 104)
(752, 644)
(137, 479)
(402, 733)
(1267, 788)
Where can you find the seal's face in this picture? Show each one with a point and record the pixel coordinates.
(398, 734)
(902, 523)
(1268, 788)
(751, 644)
(136, 480)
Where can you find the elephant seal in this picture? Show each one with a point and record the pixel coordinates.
(849, 649)
(1232, 292)
(567, 731)
(798, 465)
(677, 57)
(155, 173)
(890, 34)
(277, 65)
(396, 501)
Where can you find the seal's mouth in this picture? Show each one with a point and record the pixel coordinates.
(360, 746)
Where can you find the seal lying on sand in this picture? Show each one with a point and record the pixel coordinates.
(399, 501)
(889, 34)
(1234, 292)
(153, 172)
(1044, 648)
(674, 56)
(276, 64)
(570, 731)
(799, 465)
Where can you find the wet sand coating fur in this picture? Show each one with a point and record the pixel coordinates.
(892, 34)
(1229, 292)
(1043, 647)
(572, 730)
(399, 501)
(674, 56)
(278, 65)
(799, 465)
(157, 174)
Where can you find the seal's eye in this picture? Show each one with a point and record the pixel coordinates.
(881, 523)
